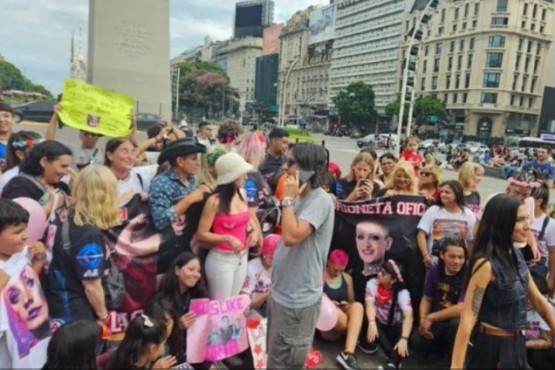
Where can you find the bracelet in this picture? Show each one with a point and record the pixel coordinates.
(105, 317)
(405, 338)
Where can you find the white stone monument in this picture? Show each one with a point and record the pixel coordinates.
(129, 51)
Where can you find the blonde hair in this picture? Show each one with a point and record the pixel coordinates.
(95, 198)
(436, 173)
(252, 149)
(467, 171)
(365, 158)
(409, 139)
(206, 174)
(408, 170)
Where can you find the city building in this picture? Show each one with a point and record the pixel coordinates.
(241, 67)
(547, 115)
(305, 62)
(270, 39)
(487, 60)
(251, 17)
(266, 84)
(366, 47)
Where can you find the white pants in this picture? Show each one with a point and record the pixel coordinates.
(226, 273)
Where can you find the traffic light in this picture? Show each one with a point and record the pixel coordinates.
(434, 4)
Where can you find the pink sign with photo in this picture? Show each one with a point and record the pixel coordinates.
(219, 331)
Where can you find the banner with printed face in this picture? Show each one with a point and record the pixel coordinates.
(24, 321)
(143, 254)
(378, 229)
(220, 330)
(95, 109)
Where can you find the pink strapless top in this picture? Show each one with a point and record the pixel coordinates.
(231, 225)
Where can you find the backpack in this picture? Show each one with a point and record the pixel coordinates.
(113, 283)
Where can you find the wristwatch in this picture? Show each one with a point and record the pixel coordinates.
(288, 202)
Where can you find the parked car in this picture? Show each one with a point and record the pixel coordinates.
(40, 111)
(427, 144)
(475, 147)
(145, 120)
(365, 141)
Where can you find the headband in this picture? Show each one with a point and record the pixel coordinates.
(23, 144)
(146, 321)
(396, 269)
(533, 185)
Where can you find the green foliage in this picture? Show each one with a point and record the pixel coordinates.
(424, 107)
(356, 106)
(302, 135)
(11, 78)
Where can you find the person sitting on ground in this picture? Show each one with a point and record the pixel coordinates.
(442, 302)
(542, 165)
(338, 286)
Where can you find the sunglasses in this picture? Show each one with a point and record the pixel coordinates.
(85, 133)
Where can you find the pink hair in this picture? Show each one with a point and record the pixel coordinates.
(270, 244)
(252, 149)
(339, 257)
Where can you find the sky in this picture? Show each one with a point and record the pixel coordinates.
(35, 35)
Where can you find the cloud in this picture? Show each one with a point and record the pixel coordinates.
(37, 39)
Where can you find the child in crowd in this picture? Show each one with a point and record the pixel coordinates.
(410, 153)
(25, 325)
(442, 301)
(259, 275)
(340, 290)
(389, 313)
(142, 346)
(539, 338)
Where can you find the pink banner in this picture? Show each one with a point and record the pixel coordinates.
(219, 331)
(257, 327)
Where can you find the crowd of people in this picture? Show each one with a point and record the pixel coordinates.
(231, 212)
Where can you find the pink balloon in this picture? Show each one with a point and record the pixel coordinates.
(37, 218)
(328, 315)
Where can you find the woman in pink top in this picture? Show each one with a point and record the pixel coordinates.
(224, 226)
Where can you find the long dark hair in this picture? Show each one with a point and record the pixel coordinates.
(311, 157)
(19, 142)
(49, 149)
(141, 332)
(73, 346)
(169, 286)
(389, 267)
(457, 189)
(542, 193)
(494, 236)
(226, 192)
(159, 309)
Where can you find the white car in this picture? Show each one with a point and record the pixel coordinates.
(477, 147)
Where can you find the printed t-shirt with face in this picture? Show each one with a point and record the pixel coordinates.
(258, 281)
(84, 260)
(535, 324)
(548, 240)
(24, 321)
(438, 224)
(383, 306)
(445, 291)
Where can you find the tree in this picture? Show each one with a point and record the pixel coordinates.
(205, 86)
(424, 108)
(11, 78)
(356, 106)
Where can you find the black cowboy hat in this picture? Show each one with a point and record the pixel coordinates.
(180, 148)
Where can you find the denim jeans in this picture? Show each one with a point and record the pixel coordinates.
(226, 273)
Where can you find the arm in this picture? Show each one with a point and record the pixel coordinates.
(402, 345)
(551, 278)
(52, 128)
(350, 288)
(133, 127)
(543, 342)
(95, 295)
(421, 240)
(294, 231)
(470, 310)
(260, 300)
(446, 314)
(425, 307)
(540, 304)
(205, 225)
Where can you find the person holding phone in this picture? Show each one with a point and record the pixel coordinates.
(338, 286)
(360, 183)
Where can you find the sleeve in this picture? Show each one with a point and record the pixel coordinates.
(317, 211)
(550, 172)
(403, 300)
(427, 220)
(550, 234)
(89, 256)
(339, 189)
(471, 220)
(161, 205)
(21, 187)
(431, 282)
(252, 192)
(371, 290)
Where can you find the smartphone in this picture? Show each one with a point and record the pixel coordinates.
(304, 176)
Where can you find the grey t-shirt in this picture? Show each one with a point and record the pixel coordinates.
(82, 156)
(297, 274)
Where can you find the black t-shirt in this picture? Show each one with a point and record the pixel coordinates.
(344, 188)
(85, 259)
(21, 186)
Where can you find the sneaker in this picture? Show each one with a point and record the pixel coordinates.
(368, 348)
(348, 361)
(387, 366)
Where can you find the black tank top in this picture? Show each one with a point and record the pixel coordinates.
(341, 293)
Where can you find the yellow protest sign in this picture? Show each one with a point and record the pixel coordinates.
(95, 109)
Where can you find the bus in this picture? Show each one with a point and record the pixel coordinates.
(535, 142)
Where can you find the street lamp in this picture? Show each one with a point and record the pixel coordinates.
(284, 88)
(412, 51)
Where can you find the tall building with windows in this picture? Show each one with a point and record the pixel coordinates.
(486, 59)
(251, 17)
(366, 46)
